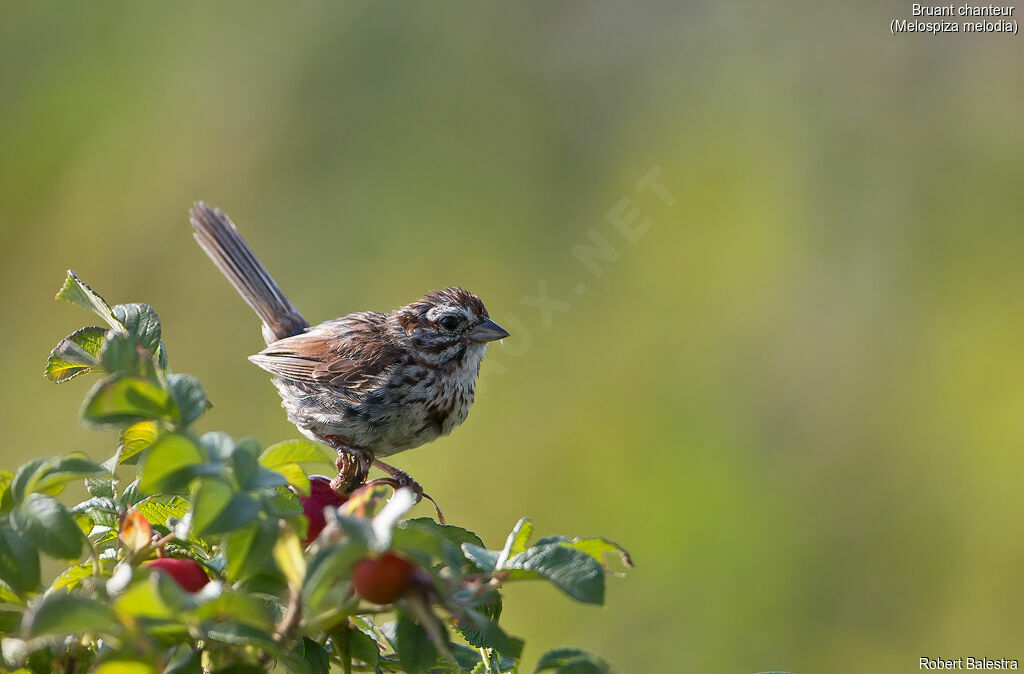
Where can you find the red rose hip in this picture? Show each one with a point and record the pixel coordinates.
(321, 496)
(383, 579)
(185, 572)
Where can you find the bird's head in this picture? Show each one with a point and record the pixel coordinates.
(447, 324)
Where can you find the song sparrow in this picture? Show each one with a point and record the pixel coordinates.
(367, 384)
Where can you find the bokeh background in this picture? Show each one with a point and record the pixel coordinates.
(797, 397)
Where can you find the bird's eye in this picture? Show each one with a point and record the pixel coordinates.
(450, 322)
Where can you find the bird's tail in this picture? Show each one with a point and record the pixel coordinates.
(220, 239)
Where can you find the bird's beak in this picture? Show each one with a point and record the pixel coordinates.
(487, 331)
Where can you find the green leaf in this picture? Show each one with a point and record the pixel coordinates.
(183, 660)
(159, 511)
(287, 553)
(49, 526)
(572, 661)
(75, 354)
(238, 634)
(487, 560)
(101, 510)
(120, 353)
(51, 475)
(101, 486)
(598, 548)
(6, 500)
(327, 576)
(482, 632)
(439, 532)
(244, 607)
(140, 320)
(189, 397)
(240, 511)
(364, 647)
(125, 667)
(72, 577)
(414, 649)
(248, 549)
(168, 462)
(25, 475)
(210, 496)
(135, 439)
(19, 562)
(573, 572)
(10, 621)
(121, 400)
(517, 541)
(296, 451)
(77, 292)
(314, 655)
(67, 614)
(143, 600)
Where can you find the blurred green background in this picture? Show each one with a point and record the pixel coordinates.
(797, 398)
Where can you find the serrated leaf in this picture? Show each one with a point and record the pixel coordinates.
(364, 647)
(170, 457)
(68, 614)
(189, 396)
(99, 510)
(572, 661)
(482, 632)
(314, 655)
(598, 548)
(100, 486)
(158, 512)
(142, 321)
(76, 291)
(442, 541)
(75, 354)
(575, 573)
(121, 400)
(517, 541)
(487, 560)
(19, 562)
(48, 525)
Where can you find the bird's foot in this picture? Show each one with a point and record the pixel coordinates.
(353, 464)
(400, 479)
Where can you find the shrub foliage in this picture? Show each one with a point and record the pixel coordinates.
(192, 551)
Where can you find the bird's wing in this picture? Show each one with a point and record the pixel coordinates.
(348, 353)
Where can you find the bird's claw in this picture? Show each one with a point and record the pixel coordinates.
(399, 479)
(353, 465)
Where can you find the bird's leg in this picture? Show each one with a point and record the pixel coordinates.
(399, 479)
(353, 464)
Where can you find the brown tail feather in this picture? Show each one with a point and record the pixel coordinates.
(220, 239)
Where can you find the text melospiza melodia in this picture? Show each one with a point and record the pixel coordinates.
(367, 384)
